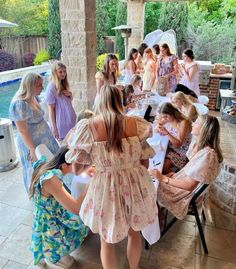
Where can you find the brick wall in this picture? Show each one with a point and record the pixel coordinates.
(211, 90)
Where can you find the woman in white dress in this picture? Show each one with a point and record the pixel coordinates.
(130, 66)
(190, 72)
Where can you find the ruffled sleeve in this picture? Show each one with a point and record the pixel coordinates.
(79, 142)
(49, 174)
(204, 166)
(99, 75)
(20, 110)
(144, 131)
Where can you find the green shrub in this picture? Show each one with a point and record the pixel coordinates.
(41, 56)
(101, 60)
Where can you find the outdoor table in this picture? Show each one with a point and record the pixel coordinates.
(226, 96)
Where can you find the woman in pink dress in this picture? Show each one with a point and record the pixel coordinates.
(175, 191)
(121, 198)
(167, 66)
(190, 72)
(62, 115)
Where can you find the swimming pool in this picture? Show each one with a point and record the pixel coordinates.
(8, 90)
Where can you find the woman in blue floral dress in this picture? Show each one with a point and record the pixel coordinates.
(57, 230)
(32, 129)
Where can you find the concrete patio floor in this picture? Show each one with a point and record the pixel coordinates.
(179, 248)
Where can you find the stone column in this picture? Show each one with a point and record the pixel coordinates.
(78, 36)
(135, 18)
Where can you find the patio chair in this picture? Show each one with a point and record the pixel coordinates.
(192, 210)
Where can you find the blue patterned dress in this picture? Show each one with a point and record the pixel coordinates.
(56, 231)
(38, 129)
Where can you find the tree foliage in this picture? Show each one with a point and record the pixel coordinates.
(54, 26)
(174, 16)
(152, 14)
(121, 18)
(31, 16)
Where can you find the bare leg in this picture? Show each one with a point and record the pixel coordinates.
(108, 255)
(134, 248)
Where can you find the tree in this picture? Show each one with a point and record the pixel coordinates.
(54, 26)
(152, 14)
(121, 18)
(174, 16)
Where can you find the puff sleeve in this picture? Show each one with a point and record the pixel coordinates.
(203, 166)
(19, 110)
(79, 142)
(144, 131)
(99, 75)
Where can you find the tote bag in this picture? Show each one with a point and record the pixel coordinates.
(162, 86)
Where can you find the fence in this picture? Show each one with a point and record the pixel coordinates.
(18, 46)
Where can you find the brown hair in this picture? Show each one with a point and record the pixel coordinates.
(169, 109)
(106, 68)
(165, 46)
(210, 135)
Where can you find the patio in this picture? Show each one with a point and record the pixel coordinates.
(179, 248)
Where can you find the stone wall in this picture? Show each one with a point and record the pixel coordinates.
(78, 34)
(223, 190)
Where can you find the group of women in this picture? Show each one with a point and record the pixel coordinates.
(120, 199)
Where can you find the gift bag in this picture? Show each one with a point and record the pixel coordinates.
(162, 86)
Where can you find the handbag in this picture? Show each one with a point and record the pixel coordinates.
(162, 86)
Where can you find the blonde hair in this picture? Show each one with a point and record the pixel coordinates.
(182, 97)
(61, 85)
(134, 79)
(210, 135)
(110, 107)
(149, 50)
(27, 87)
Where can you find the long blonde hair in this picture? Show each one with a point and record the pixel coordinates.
(61, 85)
(55, 163)
(27, 87)
(210, 135)
(110, 107)
(182, 97)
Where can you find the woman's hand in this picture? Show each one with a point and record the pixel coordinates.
(55, 132)
(161, 129)
(156, 174)
(67, 93)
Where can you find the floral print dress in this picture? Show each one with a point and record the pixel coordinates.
(56, 231)
(121, 194)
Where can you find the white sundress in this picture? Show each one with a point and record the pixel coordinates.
(121, 194)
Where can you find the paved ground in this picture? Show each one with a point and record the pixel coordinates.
(179, 248)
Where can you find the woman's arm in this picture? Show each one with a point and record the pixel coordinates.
(22, 128)
(99, 84)
(184, 129)
(184, 184)
(176, 69)
(132, 67)
(55, 187)
(192, 71)
(52, 119)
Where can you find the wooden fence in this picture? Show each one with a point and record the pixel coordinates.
(18, 46)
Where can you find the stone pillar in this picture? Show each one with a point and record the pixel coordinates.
(135, 18)
(78, 36)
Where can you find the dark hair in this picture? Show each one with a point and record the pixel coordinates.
(169, 109)
(106, 68)
(165, 46)
(185, 90)
(156, 47)
(55, 163)
(189, 53)
(126, 92)
(132, 51)
(142, 48)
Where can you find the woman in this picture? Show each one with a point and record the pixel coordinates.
(183, 103)
(121, 199)
(136, 82)
(175, 191)
(58, 97)
(190, 72)
(178, 129)
(32, 129)
(149, 76)
(167, 66)
(130, 66)
(107, 76)
(139, 59)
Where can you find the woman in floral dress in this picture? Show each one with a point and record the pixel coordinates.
(121, 198)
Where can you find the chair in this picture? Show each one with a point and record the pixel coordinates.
(203, 99)
(199, 191)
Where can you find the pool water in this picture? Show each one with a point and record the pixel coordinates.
(6, 94)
